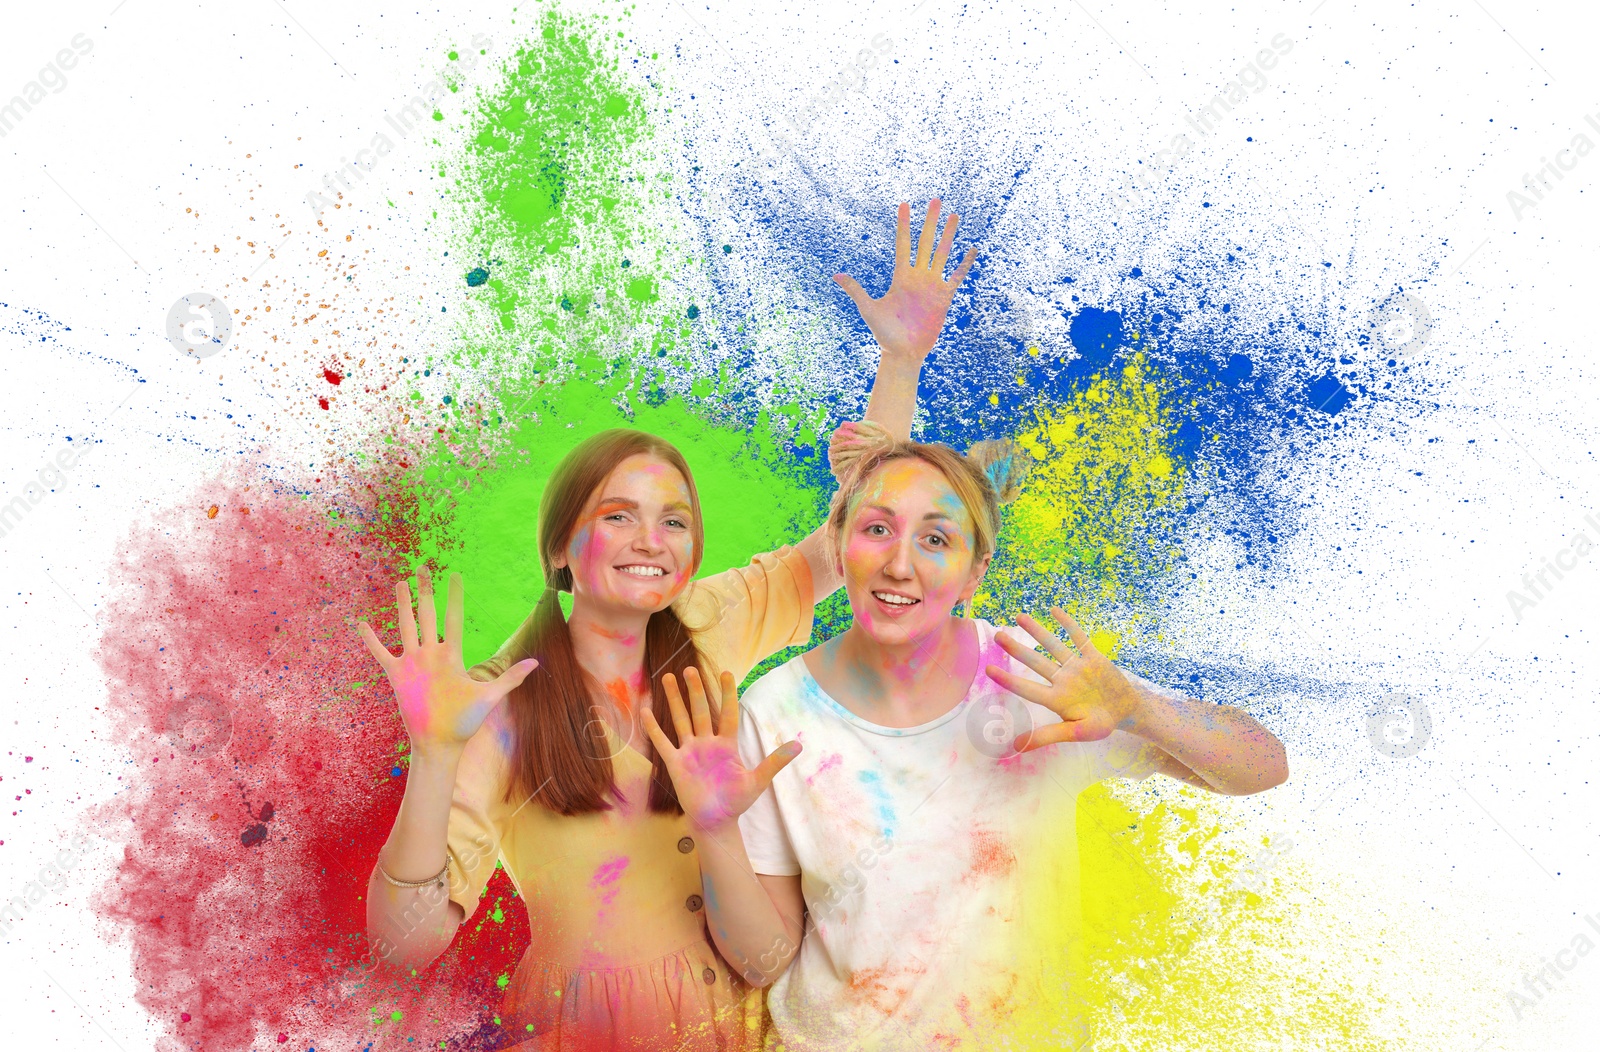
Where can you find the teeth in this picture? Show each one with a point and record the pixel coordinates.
(895, 600)
(643, 571)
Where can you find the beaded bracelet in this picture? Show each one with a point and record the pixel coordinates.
(436, 879)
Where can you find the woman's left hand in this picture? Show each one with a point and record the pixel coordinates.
(1082, 686)
(714, 786)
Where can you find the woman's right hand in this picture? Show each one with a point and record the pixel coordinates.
(439, 703)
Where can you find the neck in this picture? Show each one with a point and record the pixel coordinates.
(610, 647)
(899, 674)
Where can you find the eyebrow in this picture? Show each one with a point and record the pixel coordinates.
(891, 512)
(625, 502)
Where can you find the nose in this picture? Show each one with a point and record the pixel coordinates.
(649, 540)
(899, 566)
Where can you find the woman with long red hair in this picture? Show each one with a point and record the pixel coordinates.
(538, 757)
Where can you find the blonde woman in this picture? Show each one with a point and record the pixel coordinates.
(924, 768)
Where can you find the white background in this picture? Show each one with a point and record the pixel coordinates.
(1397, 132)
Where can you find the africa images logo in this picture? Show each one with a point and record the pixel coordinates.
(198, 325)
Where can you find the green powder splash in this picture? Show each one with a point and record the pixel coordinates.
(587, 308)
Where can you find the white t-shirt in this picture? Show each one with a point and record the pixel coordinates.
(939, 868)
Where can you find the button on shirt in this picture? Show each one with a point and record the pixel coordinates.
(612, 949)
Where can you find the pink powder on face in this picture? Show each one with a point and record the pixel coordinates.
(595, 550)
(904, 490)
(588, 553)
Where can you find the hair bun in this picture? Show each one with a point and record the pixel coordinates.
(853, 441)
(1006, 463)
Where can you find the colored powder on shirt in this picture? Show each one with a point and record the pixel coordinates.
(596, 298)
(607, 876)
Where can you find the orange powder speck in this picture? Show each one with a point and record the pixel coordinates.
(883, 989)
(990, 855)
(618, 689)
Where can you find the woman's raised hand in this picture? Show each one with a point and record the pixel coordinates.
(1082, 686)
(440, 704)
(907, 319)
(714, 786)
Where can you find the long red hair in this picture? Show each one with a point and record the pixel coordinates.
(561, 754)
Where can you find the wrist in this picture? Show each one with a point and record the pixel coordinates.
(723, 830)
(438, 753)
(903, 357)
(1140, 708)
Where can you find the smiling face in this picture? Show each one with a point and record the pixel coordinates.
(907, 551)
(632, 550)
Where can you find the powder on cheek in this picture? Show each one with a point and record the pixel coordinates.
(580, 551)
(861, 561)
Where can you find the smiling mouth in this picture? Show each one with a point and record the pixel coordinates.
(894, 599)
(642, 571)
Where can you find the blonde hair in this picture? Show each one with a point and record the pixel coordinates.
(991, 473)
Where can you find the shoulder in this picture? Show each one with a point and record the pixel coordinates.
(1026, 712)
(709, 596)
(774, 709)
(776, 691)
(988, 630)
(989, 650)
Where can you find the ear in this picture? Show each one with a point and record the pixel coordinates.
(979, 568)
(559, 559)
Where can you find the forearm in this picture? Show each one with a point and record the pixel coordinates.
(749, 929)
(1224, 746)
(893, 401)
(409, 927)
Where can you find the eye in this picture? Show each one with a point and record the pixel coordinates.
(677, 523)
(937, 540)
(877, 529)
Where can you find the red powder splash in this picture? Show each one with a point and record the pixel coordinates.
(264, 749)
(991, 856)
(332, 377)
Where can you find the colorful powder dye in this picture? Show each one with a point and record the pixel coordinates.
(489, 536)
(1095, 521)
(262, 740)
(1180, 952)
(601, 287)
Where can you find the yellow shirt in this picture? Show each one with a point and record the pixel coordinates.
(620, 956)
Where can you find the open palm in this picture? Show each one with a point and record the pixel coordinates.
(906, 320)
(1082, 686)
(714, 786)
(439, 703)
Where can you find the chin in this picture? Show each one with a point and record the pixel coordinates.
(897, 632)
(648, 600)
